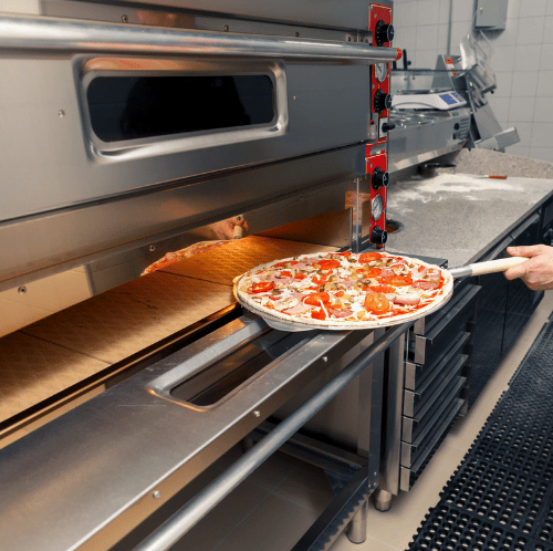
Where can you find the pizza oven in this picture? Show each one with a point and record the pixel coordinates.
(130, 131)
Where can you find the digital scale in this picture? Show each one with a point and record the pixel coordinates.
(425, 99)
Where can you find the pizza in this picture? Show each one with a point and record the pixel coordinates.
(193, 250)
(344, 290)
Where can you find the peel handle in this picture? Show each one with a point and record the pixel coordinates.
(488, 267)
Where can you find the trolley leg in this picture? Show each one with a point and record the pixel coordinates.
(382, 500)
(357, 528)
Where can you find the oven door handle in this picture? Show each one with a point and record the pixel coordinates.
(48, 33)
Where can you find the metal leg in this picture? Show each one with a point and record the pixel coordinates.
(356, 530)
(382, 500)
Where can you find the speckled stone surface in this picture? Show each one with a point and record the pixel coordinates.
(485, 161)
(459, 216)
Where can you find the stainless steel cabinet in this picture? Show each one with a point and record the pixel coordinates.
(504, 308)
(426, 391)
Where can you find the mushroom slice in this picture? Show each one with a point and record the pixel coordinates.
(284, 304)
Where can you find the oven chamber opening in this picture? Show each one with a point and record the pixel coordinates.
(149, 107)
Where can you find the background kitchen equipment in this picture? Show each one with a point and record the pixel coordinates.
(426, 126)
(439, 111)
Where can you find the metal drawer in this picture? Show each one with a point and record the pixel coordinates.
(417, 375)
(426, 348)
(413, 426)
(415, 400)
(409, 475)
(423, 325)
(413, 452)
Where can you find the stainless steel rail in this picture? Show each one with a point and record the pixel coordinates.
(198, 507)
(24, 33)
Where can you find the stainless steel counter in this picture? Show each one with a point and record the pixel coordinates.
(460, 216)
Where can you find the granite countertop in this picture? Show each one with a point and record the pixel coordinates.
(460, 216)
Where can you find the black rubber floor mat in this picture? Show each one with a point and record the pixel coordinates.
(501, 496)
(541, 349)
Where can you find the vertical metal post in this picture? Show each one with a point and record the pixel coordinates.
(389, 479)
(449, 28)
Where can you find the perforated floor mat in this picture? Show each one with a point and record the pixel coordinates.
(501, 497)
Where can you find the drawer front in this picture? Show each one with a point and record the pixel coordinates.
(416, 401)
(410, 474)
(422, 326)
(418, 376)
(424, 429)
(438, 337)
(451, 389)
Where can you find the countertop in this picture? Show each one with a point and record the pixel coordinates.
(460, 216)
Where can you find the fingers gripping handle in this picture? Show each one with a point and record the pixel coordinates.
(488, 267)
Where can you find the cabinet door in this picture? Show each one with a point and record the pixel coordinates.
(488, 331)
(521, 301)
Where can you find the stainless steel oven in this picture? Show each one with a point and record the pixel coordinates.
(127, 129)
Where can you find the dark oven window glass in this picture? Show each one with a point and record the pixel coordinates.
(128, 108)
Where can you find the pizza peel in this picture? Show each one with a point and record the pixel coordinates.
(476, 269)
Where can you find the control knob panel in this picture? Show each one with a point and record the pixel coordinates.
(383, 32)
(382, 101)
(380, 178)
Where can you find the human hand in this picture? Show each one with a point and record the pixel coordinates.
(537, 272)
(225, 228)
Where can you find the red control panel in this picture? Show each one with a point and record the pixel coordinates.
(376, 168)
(376, 165)
(380, 24)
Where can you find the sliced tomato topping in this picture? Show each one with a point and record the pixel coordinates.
(421, 268)
(320, 281)
(293, 262)
(396, 280)
(339, 294)
(318, 314)
(369, 257)
(373, 272)
(382, 288)
(315, 299)
(346, 254)
(300, 276)
(326, 264)
(426, 285)
(376, 303)
(286, 273)
(263, 287)
(278, 265)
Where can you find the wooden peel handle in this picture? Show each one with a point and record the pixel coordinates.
(499, 265)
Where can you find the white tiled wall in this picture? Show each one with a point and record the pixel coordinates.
(521, 56)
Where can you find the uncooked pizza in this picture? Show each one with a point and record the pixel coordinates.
(345, 290)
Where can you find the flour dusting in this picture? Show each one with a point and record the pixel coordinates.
(444, 186)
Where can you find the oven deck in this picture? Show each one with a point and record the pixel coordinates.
(80, 347)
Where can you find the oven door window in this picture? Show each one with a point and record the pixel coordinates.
(126, 108)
